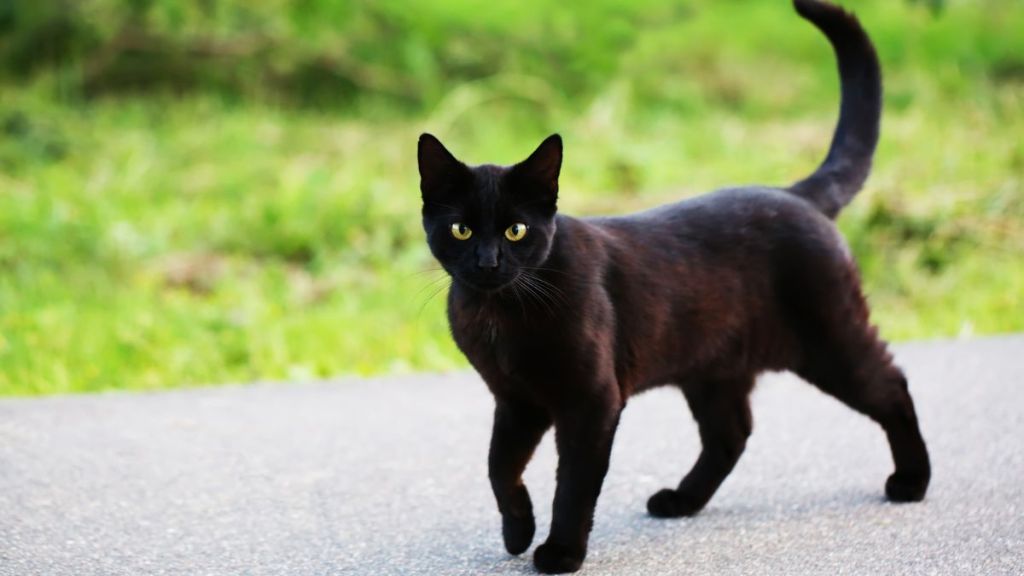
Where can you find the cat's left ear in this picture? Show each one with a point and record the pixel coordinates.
(540, 171)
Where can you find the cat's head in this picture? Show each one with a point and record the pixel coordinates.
(488, 224)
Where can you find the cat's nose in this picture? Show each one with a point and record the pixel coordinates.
(487, 260)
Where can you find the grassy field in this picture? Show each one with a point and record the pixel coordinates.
(162, 237)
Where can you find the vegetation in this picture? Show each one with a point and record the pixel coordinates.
(201, 192)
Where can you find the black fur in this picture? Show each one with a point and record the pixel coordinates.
(565, 324)
(848, 163)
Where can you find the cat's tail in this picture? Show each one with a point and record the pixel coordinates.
(848, 163)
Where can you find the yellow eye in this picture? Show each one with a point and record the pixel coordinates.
(516, 232)
(461, 231)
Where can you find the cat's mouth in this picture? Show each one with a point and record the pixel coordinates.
(488, 283)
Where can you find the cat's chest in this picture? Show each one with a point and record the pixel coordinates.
(493, 345)
(508, 351)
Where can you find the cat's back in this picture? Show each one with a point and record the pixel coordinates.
(713, 265)
(750, 218)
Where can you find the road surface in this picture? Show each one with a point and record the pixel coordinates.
(388, 476)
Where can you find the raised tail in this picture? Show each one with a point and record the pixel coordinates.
(848, 163)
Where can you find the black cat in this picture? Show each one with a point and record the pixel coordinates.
(566, 318)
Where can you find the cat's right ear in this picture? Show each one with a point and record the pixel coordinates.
(438, 167)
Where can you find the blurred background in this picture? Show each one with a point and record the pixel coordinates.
(205, 191)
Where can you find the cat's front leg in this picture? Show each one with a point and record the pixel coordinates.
(583, 436)
(518, 428)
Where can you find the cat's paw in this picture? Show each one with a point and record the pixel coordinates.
(517, 532)
(553, 558)
(669, 503)
(903, 487)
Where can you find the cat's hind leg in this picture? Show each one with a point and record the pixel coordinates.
(722, 412)
(852, 364)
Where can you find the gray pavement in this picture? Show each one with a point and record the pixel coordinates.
(388, 476)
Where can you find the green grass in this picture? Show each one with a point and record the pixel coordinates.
(152, 241)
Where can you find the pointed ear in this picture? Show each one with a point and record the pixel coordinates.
(539, 172)
(544, 165)
(438, 168)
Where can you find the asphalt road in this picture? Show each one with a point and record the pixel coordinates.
(388, 476)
